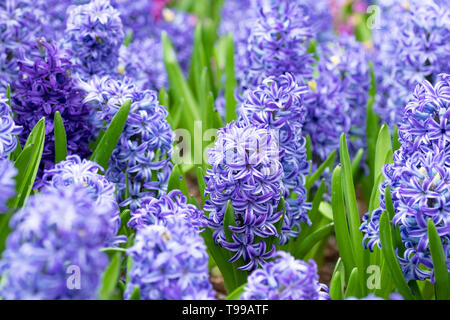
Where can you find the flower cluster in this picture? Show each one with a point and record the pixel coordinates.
(338, 97)
(419, 179)
(143, 61)
(413, 45)
(277, 104)
(45, 86)
(154, 210)
(246, 171)
(278, 43)
(285, 279)
(7, 183)
(84, 173)
(169, 262)
(19, 25)
(94, 34)
(140, 164)
(8, 130)
(58, 233)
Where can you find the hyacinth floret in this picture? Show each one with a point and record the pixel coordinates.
(57, 233)
(285, 278)
(170, 262)
(246, 171)
(94, 33)
(8, 130)
(7, 183)
(85, 173)
(142, 156)
(278, 105)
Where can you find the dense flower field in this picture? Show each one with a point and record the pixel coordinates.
(212, 149)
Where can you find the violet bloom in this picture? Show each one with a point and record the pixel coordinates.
(8, 130)
(140, 164)
(412, 45)
(94, 34)
(278, 105)
(7, 183)
(85, 173)
(45, 86)
(153, 211)
(246, 171)
(170, 262)
(285, 279)
(57, 233)
(20, 23)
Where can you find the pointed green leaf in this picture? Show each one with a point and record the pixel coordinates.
(236, 294)
(231, 82)
(311, 240)
(328, 163)
(336, 287)
(60, 139)
(354, 285)
(440, 267)
(111, 277)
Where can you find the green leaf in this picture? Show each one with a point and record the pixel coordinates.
(383, 147)
(356, 162)
(177, 181)
(236, 294)
(230, 81)
(201, 182)
(311, 240)
(136, 295)
(440, 268)
(336, 287)
(395, 140)
(60, 139)
(308, 147)
(328, 163)
(354, 285)
(387, 248)
(109, 141)
(111, 277)
(8, 95)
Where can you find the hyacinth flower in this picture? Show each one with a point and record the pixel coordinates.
(338, 96)
(170, 262)
(57, 233)
(140, 164)
(412, 45)
(84, 173)
(418, 180)
(20, 23)
(278, 43)
(155, 210)
(285, 278)
(247, 172)
(277, 104)
(143, 61)
(45, 86)
(7, 183)
(94, 33)
(8, 130)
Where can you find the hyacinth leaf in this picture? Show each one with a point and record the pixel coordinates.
(383, 147)
(336, 287)
(124, 218)
(136, 294)
(354, 221)
(391, 213)
(163, 98)
(340, 222)
(311, 240)
(356, 162)
(390, 256)
(395, 140)
(354, 285)
(372, 125)
(201, 182)
(60, 139)
(326, 210)
(237, 293)
(199, 63)
(314, 214)
(108, 143)
(308, 147)
(230, 81)
(328, 163)
(128, 38)
(440, 268)
(111, 277)
(177, 181)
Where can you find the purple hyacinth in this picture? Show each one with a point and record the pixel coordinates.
(285, 279)
(418, 180)
(141, 160)
(20, 23)
(44, 87)
(143, 62)
(412, 45)
(277, 44)
(7, 183)
(94, 34)
(154, 210)
(57, 235)
(85, 173)
(170, 262)
(278, 105)
(246, 171)
(8, 130)
(338, 97)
